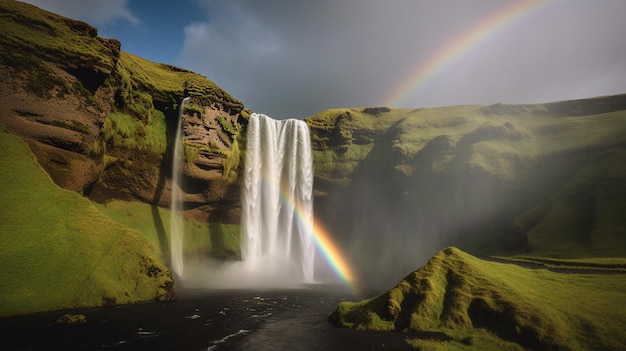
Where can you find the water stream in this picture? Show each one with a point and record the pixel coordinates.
(176, 202)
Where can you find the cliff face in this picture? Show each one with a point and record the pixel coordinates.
(397, 185)
(101, 121)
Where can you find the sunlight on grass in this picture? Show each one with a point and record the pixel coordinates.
(214, 239)
(59, 251)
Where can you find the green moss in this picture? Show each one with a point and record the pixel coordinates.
(121, 130)
(231, 163)
(227, 126)
(59, 251)
(43, 83)
(191, 109)
(26, 29)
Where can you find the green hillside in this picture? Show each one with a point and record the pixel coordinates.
(398, 185)
(459, 302)
(59, 251)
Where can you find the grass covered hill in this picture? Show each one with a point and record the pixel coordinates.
(398, 185)
(457, 301)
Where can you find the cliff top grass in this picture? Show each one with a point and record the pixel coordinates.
(56, 38)
(58, 251)
(457, 301)
(163, 77)
(53, 37)
(493, 138)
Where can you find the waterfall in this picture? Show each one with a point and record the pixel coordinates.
(176, 202)
(277, 201)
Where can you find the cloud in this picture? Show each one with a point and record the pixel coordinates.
(293, 59)
(95, 12)
(294, 55)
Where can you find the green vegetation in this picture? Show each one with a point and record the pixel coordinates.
(460, 302)
(231, 163)
(59, 251)
(556, 173)
(48, 35)
(190, 109)
(478, 136)
(123, 131)
(153, 222)
(550, 181)
(227, 126)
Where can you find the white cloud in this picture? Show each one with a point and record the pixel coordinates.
(95, 12)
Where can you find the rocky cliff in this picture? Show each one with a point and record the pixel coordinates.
(101, 121)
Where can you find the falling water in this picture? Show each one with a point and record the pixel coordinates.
(176, 202)
(277, 202)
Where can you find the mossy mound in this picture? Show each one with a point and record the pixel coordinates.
(59, 252)
(459, 301)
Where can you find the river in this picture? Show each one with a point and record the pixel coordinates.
(270, 319)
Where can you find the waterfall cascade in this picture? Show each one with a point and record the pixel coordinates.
(277, 201)
(176, 201)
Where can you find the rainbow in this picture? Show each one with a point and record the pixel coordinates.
(427, 70)
(333, 256)
(323, 241)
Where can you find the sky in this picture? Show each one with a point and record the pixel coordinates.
(292, 59)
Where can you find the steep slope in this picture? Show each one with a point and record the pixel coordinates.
(457, 301)
(397, 185)
(59, 251)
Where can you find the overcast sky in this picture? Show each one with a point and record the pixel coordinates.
(290, 58)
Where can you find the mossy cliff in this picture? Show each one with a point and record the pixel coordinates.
(397, 185)
(101, 123)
